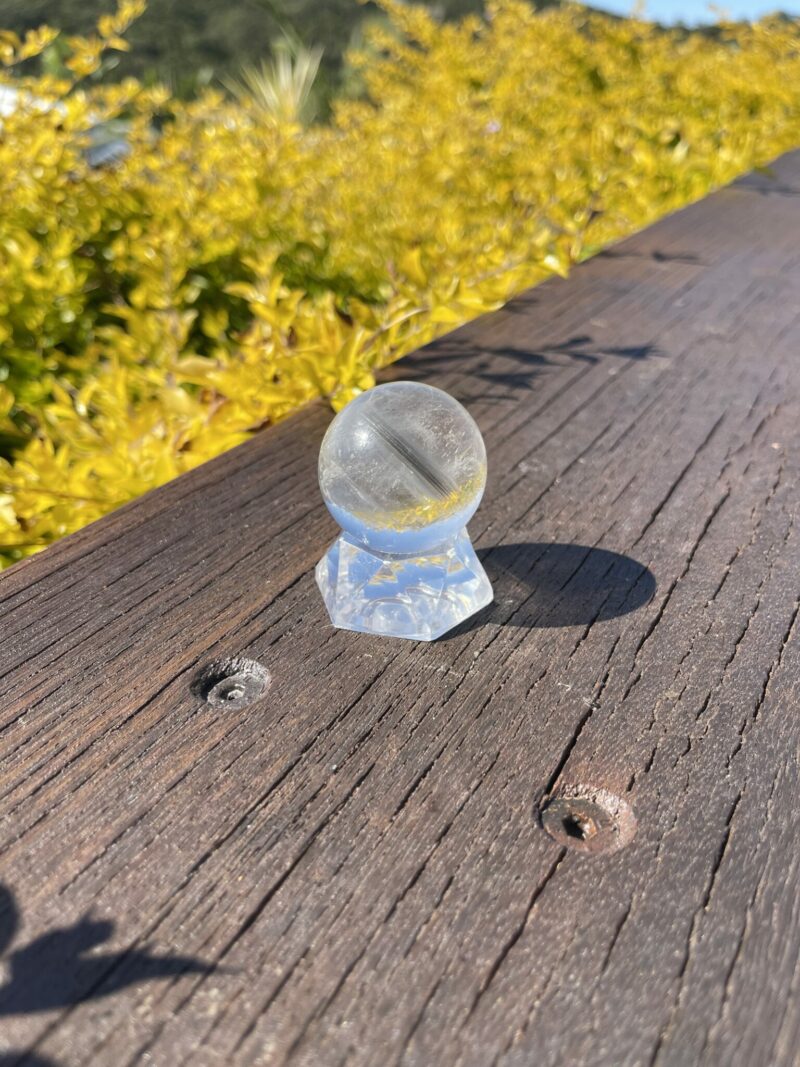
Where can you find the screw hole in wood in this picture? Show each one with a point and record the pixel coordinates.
(588, 819)
(579, 828)
(231, 683)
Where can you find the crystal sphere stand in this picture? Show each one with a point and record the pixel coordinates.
(402, 470)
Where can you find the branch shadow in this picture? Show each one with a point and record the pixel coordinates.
(656, 256)
(767, 184)
(24, 1059)
(527, 364)
(61, 968)
(542, 585)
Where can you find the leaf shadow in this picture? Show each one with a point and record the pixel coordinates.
(62, 967)
(657, 256)
(24, 1058)
(512, 367)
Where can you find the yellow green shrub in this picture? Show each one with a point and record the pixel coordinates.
(233, 266)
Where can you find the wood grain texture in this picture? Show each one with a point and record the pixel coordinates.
(351, 870)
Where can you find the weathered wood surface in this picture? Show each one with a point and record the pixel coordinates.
(351, 870)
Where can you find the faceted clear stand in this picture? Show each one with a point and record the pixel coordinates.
(415, 596)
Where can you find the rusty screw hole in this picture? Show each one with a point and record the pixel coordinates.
(588, 819)
(579, 828)
(231, 683)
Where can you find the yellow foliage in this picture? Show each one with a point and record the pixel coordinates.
(233, 266)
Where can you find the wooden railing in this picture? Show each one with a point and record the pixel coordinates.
(565, 834)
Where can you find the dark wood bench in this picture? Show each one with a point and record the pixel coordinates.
(352, 867)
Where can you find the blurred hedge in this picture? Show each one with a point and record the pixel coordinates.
(232, 266)
(186, 44)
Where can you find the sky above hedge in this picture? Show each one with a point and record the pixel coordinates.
(693, 12)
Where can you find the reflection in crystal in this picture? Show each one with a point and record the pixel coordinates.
(419, 597)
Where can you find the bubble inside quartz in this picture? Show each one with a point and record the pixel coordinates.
(402, 468)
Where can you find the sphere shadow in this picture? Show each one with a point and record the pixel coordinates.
(539, 584)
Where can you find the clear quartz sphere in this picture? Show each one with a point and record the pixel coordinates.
(402, 468)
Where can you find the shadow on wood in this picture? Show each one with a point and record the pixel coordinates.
(547, 584)
(23, 1058)
(656, 256)
(60, 968)
(513, 366)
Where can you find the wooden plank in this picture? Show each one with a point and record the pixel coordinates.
(352, 869)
